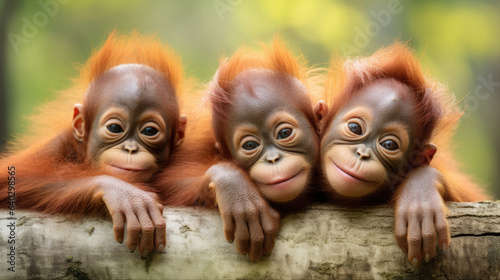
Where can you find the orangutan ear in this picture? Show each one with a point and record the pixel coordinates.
(78, 123)
(218, 147)
(429, 152)
(181, 130)
(320, 110)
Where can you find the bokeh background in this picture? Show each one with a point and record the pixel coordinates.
(458, 42)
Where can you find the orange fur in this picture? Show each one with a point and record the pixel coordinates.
(436, 110)
(49, 162)
(182, 183)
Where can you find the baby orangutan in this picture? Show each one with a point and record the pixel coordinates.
(125, 128)
(376, 145)
(120, 137)
(265, 133)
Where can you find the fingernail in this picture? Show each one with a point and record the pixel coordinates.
(145, 253)
(120, 240)
(415, 262)
(427, 258)
(444, 246)
(160, 248)
(133, 248)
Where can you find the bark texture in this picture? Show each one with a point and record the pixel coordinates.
(324, 242)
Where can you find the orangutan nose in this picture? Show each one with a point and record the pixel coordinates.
(363, 152)
(130, 147)
(272, 156)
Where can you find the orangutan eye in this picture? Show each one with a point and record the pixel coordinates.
(355, 128)
(250, 145)
(149, 131)
(285, 133)
(389, 145)
(114, 128)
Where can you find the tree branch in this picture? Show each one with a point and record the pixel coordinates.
(324, 242)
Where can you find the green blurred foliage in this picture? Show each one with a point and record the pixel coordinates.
(457, 41)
